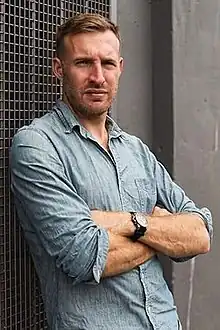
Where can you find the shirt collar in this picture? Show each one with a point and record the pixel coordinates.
(70, 121)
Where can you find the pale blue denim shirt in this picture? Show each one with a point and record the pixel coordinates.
(60, 173)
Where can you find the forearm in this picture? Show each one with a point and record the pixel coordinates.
(118, 223)
(124, 255)
(177, 235)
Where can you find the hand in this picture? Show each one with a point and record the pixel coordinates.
(160, 212)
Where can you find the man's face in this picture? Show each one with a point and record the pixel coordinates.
(90, 68)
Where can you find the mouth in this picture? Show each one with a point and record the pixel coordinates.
(96, 91)
(96, 95)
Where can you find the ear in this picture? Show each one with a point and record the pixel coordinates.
(121, 64)
(57, 68)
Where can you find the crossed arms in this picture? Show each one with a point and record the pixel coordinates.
(80, 240)
(175, 235)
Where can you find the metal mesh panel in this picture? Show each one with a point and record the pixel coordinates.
(27, 90)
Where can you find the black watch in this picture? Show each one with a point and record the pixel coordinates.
(140, 222)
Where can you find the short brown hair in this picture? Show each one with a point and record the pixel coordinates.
(81, 23)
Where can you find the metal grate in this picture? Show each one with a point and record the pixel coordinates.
(27, 90)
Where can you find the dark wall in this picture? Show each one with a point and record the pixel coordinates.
(162, 94)
(144, 103)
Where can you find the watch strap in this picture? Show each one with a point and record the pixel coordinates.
(139, 230)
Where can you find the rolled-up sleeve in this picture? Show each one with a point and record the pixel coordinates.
(59, 217)
(173, 198)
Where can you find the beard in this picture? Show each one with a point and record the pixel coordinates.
(89, 110)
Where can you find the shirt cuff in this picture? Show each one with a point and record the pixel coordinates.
(100, 261)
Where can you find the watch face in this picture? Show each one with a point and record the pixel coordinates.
(141, 219)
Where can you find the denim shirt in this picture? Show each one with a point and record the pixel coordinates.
(59, 173)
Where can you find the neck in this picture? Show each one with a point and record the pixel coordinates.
(95, 125)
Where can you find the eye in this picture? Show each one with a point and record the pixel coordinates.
(109, 64)
(83, 63)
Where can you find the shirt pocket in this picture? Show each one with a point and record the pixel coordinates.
(139, 195)
(147, 194)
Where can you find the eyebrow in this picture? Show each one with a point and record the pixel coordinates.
(89, 58)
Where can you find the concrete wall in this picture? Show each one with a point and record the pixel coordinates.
(134, 99)
(184, 134)
(196, 69)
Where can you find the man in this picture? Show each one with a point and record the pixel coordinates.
(87, 197)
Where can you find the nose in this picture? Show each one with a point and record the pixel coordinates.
(96, 74)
